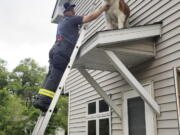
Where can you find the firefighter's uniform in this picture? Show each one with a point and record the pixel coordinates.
(59, 57)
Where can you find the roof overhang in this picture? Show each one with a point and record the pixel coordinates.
(132, 45)
(57, 12)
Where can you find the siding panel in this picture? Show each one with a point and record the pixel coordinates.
(168, 132)
(159, 12)
(159, 70)
(168, 124)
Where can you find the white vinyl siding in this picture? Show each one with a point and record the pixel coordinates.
(159, 70)
(84, 7)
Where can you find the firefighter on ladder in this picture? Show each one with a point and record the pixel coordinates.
(59, 55)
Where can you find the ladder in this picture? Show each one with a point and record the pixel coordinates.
(44, 118)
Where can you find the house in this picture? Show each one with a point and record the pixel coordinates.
(130, 80)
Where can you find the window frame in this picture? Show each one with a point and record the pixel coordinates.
(150, 115)
(177, 87)
(97, 116)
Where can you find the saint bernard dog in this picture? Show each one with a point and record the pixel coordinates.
(117, 15)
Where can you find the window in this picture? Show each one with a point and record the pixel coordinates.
(104, 127)
(98, 118)
(92, 127)
(92, 108)
(138, 117)
(103, 107)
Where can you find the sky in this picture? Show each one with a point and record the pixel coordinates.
(26, 31)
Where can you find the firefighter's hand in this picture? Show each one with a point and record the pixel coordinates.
(92, 16)
(106, 7)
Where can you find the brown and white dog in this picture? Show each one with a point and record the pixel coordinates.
(117, 15)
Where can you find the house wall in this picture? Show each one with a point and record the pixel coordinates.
(159, 70)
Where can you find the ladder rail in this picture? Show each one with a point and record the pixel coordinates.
(38, 124)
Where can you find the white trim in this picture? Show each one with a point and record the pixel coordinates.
(176, 78)
(133, 82)
(150, 117)
(110, 37)
(91, 116)
(69, 112)
(97, 124)
(131, 51)
(97, 114)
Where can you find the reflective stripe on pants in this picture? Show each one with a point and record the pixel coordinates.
(46, 93)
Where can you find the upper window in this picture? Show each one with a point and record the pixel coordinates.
(103, 107)
(92, 108)
(100, 104)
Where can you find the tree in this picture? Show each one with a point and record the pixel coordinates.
(3, 74)
(26, 79)
(11, 113)
(16, 116)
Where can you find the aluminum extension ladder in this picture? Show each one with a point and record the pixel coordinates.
(44, 118)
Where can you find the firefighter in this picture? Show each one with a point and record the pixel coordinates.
(59, 55)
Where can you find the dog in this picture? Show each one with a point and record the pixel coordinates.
(117, 15)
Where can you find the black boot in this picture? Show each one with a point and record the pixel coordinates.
(42, 102)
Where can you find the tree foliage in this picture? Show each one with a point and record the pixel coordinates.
(26, 79)
(12, 115)
(16, 118)
(3, 74)
(60, 119)
(17, 115)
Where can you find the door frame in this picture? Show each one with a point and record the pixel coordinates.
(150, 116)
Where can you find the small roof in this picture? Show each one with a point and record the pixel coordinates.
(133, 46)
(57, 14)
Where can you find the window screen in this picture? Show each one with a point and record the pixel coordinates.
(104, 127)
(92, 127)
(92, 108)
(136, 116)
(103, 107)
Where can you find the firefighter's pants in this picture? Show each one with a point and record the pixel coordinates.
(59, 57)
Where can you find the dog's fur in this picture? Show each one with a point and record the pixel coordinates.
(117, 15)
